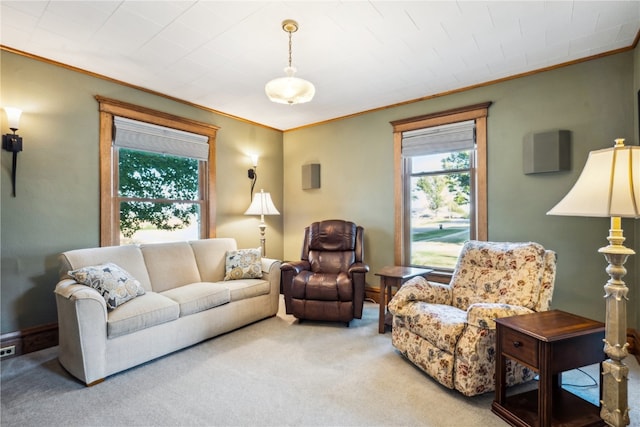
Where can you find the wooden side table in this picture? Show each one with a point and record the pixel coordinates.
(548, 342)
(393, 276)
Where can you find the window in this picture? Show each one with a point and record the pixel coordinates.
(440, 186)
(157, 176)
(437, 162)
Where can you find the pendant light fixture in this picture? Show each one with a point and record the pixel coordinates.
(290, 90)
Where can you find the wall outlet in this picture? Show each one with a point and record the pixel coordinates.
(7, 351)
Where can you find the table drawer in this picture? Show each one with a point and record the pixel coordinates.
(520, 346)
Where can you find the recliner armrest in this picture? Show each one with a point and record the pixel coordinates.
(358, 267)
(289, 270)
(420, 289)
(483, 314)
(296, 266)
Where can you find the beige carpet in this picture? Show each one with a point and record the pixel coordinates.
(273, 373)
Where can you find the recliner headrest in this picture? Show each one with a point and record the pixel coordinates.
(332, 235)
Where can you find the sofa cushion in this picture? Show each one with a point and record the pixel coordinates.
(144, 312)
(170, 265)
(211, 256)
(247, 288)
(115, 284)
(243, 264)
(199, 296)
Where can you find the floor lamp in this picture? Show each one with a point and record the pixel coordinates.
(609, 186)
(262, 205)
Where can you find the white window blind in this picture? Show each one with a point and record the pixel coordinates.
(144, 136)
(439, 139)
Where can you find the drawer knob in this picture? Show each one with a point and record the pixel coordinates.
(517, 344)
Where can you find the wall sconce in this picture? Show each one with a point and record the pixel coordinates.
(252, 173)
(12, 141)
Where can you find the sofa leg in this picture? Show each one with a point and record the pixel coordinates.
(95, 382)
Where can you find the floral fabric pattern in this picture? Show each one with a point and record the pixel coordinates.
(243, 264)
(439, 324)
(420, 289)
(483, 314)
(475, 363)
(115, 284)
(548, 278)
(509, 273)
(432, 360)
(448, 331)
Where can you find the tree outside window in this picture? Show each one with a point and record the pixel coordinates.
(158, 195)
(439, 208)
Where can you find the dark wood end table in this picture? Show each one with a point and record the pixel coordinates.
(548, 342)
(391, 276)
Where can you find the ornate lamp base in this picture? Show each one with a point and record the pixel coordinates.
(263, 240)
(615, 407)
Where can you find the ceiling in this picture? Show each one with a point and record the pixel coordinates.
(360, 55)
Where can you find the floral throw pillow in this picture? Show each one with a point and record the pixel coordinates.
(114, 284)
(243, 264)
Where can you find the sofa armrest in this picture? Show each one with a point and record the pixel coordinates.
(271, 273)
(268, 264)
(420, 289)
(72, 290)
(483, 314)
(82, 330)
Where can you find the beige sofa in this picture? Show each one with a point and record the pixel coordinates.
(186, 300)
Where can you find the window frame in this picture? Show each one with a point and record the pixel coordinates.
(478, 219)
(109, 200)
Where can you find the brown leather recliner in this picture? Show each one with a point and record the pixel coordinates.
(328, 282)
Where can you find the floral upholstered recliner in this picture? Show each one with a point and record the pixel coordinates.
(449, 332)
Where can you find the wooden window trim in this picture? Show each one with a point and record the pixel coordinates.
(109, 211)
(477, 112)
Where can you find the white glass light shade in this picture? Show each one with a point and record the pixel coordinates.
(262, 205)
(290, 90)
(609, 185)
(13, 117)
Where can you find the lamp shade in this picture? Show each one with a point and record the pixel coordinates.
(290, 90)
(13, 117)
(262, 205)
(609, 185)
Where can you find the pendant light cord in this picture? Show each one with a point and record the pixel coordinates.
(289, 48)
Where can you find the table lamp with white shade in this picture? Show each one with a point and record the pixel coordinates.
(262, 205)
(609, 186)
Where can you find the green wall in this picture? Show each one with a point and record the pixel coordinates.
(57, 207)
(595, 100)
(57, 203)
